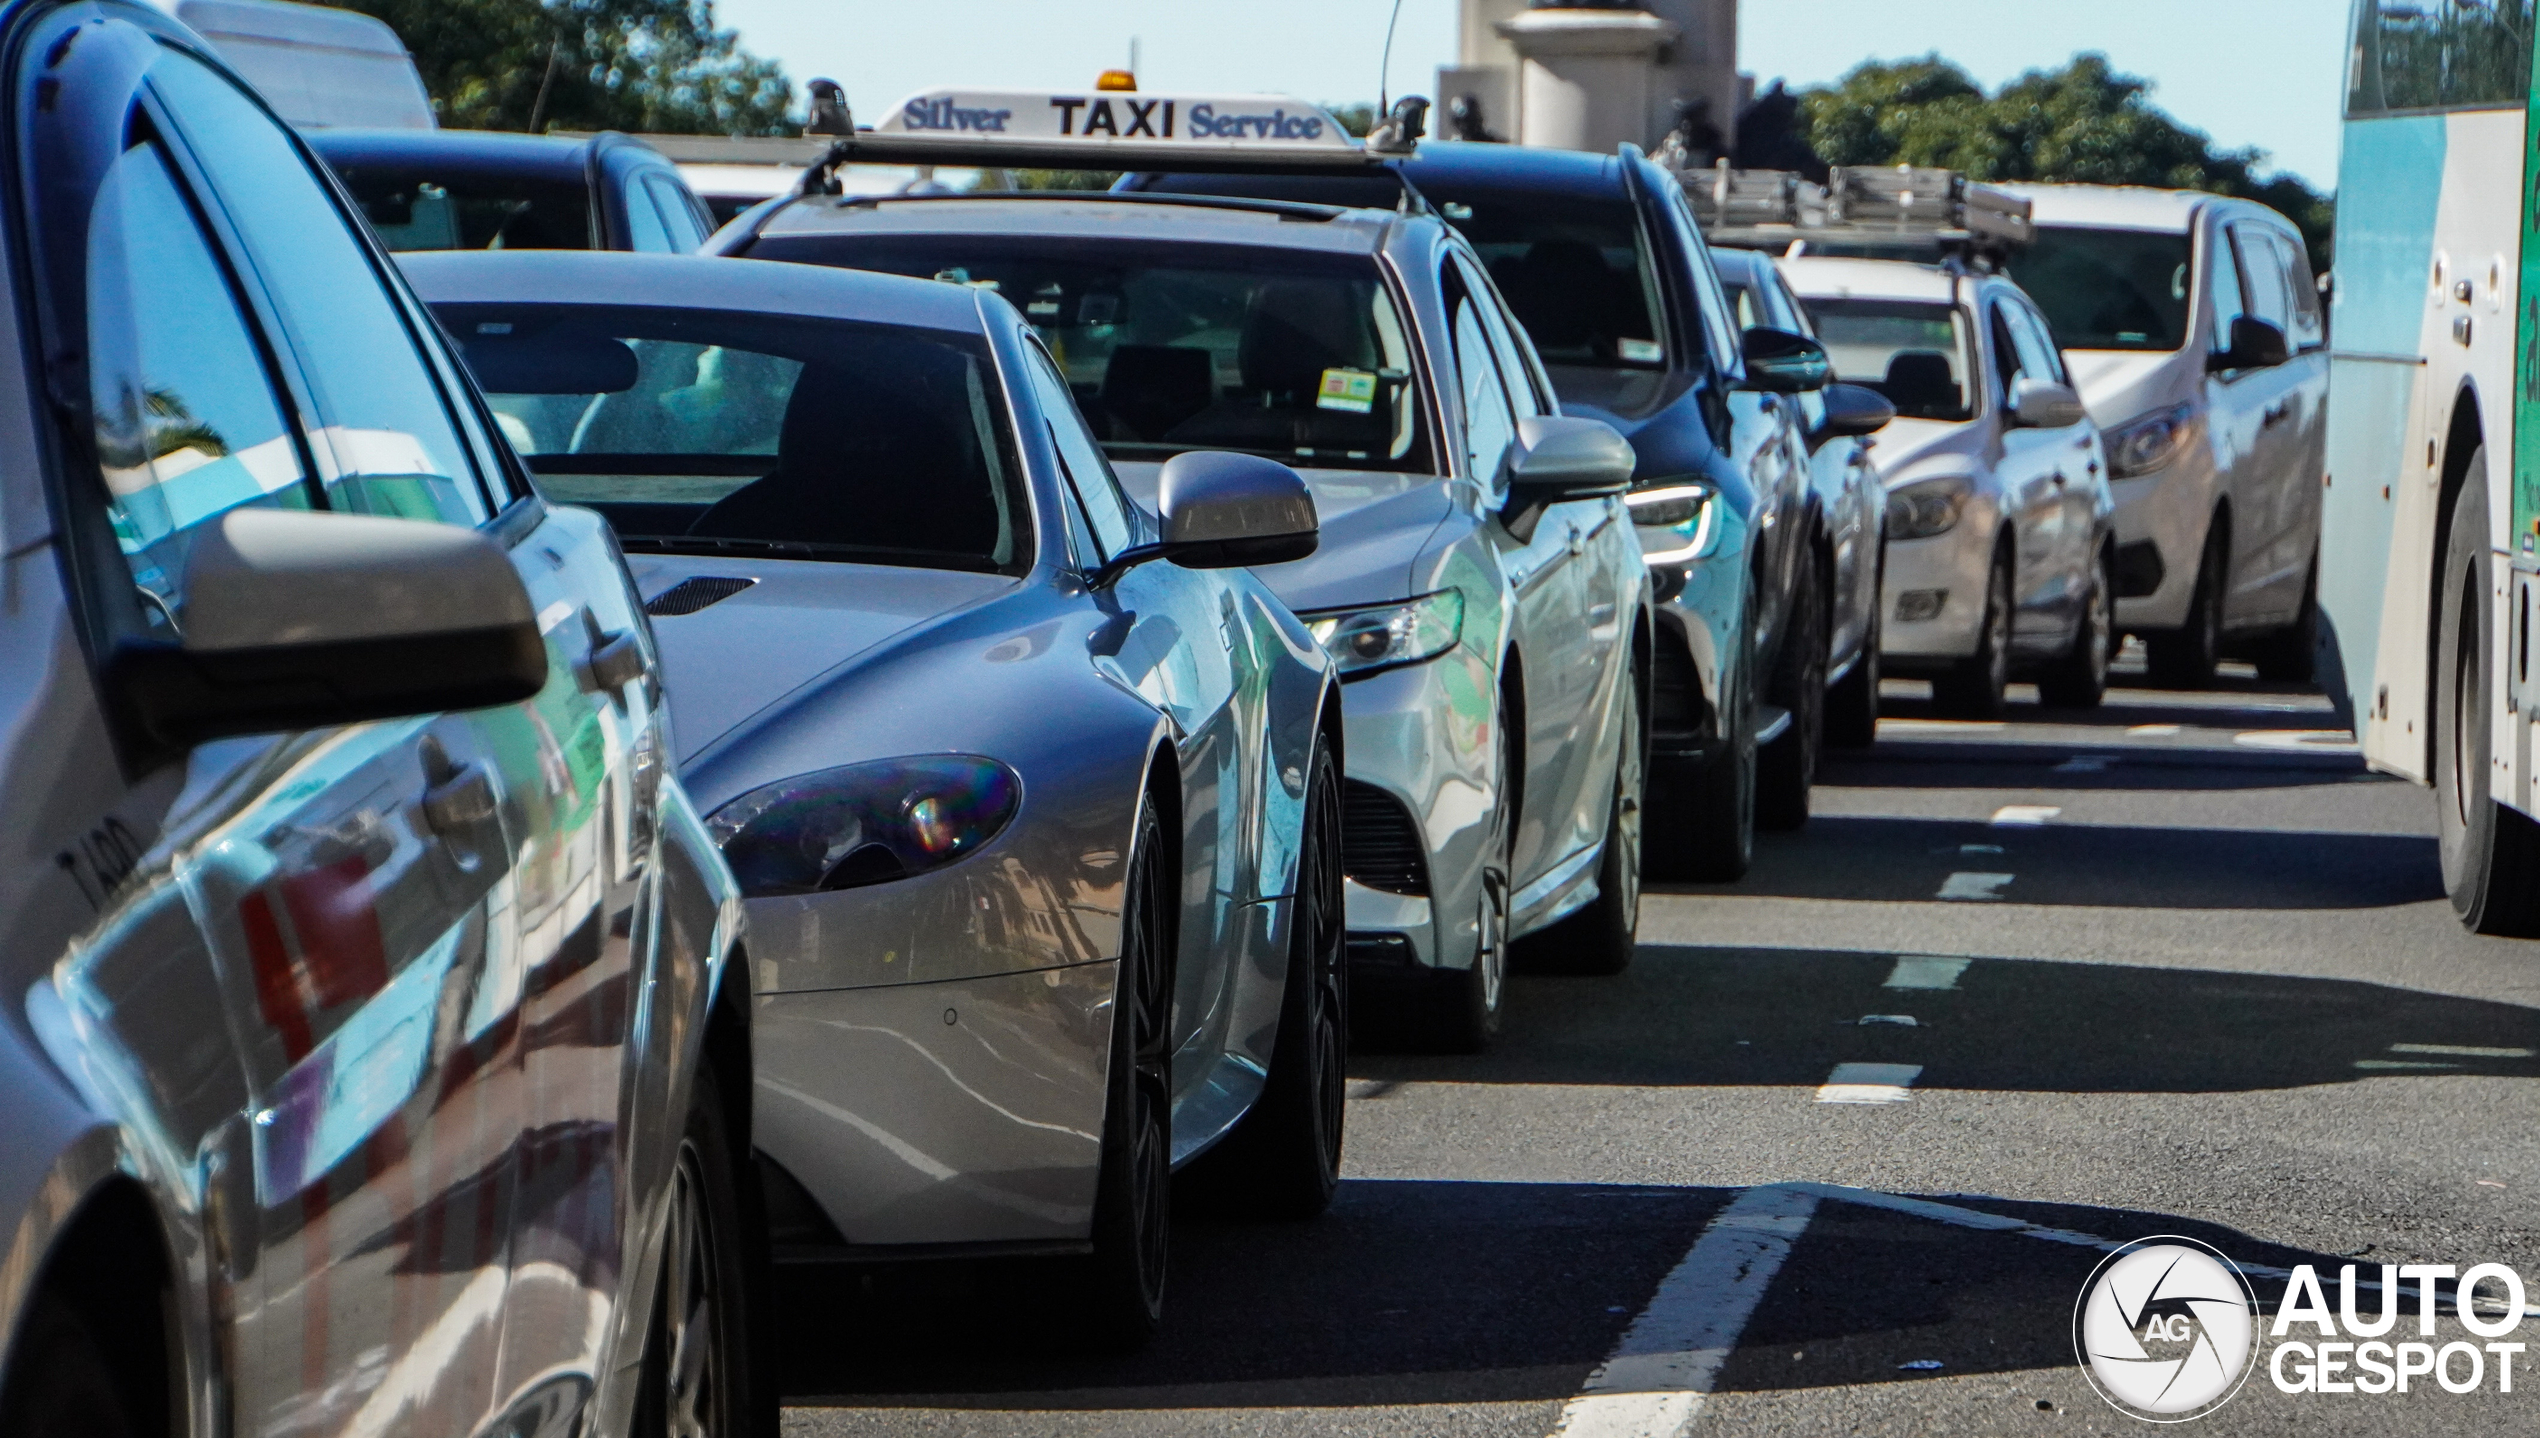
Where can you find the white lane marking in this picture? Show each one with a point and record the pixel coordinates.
(1900, 1020)
(2023, 816)
(1869, 1083)
(2152, 731)
(2325, 741)
(1654, 1384)
(1946, 726)
(1925, 971)
(2084, 764)
(1973, 888)
(2401, 1066)
(2460, 1051)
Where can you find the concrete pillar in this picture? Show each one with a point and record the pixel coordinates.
(1587, 79)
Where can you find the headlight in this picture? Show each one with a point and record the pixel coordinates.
(1922, 508)
(2148, 442)
(1362, 641)
(1691, 510)
(864, 823)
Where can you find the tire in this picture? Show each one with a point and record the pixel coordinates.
(1703, 825)
(2079, 679)
(1972, 688)
(698, 1378)
(1852, 705)
(1283, 1161)
(60, 1382)
(1113, 1298)
(1599, 939)
(2490, 853)
(2291, 655)
(2184, 658)
(1468, 1013)
(1786, 769)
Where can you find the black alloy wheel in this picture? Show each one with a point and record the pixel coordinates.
(1852, 705)
(2079, 679)
(1600, 938)
(1284, 1159)
(2184, 658)
(2489, 852)
(1972, 688)
(1786, 769)
(696, 1380)
(1116, 1293)
(2291, 655)
(1469, 1015)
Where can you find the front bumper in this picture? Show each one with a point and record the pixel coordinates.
(2167, 510)
(1422, 739)
(1941, 581)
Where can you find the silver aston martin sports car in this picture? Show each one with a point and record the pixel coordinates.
(1034, 794)
(374, 1034)
(1480, 585)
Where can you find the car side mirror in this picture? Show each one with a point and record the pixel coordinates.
(1854, 410)
(2255, 344)
(296, 620)
(2044, 404)
(1779, 362)
(1560, 457)
(1231, 511)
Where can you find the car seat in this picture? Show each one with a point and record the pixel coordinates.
(1148, 389)
(1919, 384)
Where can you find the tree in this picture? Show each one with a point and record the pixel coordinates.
(645, 65)
(2082, 124)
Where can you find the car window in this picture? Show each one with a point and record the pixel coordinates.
(710, 431)
(2225, 278)
(2109, 289)
(417, 206)
(644, 232)
(1719, 323)
(677, 219)
(2264, 289)
(2008, 363)
(2301, 289)
(1578, 272)
(187, 423)
(1490, 426)
(1917, 353)
(2038, 356)
(1087, 471)
(1501, 333)
(384, 441)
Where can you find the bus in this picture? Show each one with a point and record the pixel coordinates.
(2430, 531)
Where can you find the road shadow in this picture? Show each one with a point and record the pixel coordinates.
(1762, 1017)
(1406, 1292)
(1983, 762)
(1900, 860)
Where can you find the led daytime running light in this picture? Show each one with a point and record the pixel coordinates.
(1677, 506)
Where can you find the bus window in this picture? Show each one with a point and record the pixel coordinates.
(2418, 55)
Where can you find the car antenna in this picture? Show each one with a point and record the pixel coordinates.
(1384, 66)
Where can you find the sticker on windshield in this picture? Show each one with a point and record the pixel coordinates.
(1639, 351)
(1353, 390)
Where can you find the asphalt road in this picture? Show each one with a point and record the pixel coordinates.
(2175, 967)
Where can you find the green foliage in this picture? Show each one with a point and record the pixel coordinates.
(1063, 179)
(1357, 117)
(645, 65)
(2082, 124)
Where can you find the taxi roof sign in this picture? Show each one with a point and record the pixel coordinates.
(1120, 130)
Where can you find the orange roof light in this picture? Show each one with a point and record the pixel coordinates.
(1116, 80)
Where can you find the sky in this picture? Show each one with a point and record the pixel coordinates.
(2247, 72)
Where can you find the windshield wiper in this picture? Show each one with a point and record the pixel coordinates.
(803, 549)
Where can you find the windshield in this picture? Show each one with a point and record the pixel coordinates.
(696, 431)
(2108, 289)
(1914, 352)
(1300, 357)
(431, 209)
(1576, 272)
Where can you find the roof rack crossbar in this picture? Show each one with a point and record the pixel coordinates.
(1906, 208)
(1284, 209)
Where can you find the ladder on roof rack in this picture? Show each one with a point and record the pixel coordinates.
(1885, 212)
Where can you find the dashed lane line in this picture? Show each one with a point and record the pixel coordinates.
(1973, 888)
(1869, 1083)
(2024, 816)
(1925, 971)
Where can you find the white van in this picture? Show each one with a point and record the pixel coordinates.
(2194, 332)
(316, 65)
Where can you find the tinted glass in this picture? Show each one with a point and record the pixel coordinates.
(1300, 357)
(1577, 272)
(2263, 286)
(388, 445)
(678, 217)
(2109, 289)
(2223, 273)
(438, 208)
(2307, 331)
(187, 425)
(2040, 352)
(697, 431)
(1489, 426)
(1914, 353)
(2439, 55)
(644, 231)
(1087, 472)
(1501, 329)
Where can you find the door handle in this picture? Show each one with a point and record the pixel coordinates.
(2276, 414)
(1578, 540)
(456, 797)
(614, 661)
(1600, 615)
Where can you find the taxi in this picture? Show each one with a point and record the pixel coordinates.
(1479, 583)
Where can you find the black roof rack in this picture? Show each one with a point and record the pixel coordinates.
(1284, 209)
(1902, 211)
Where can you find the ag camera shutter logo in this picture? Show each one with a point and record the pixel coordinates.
(2164, 1329)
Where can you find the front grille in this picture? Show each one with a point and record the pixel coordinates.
(690, 595)
(1380, 845)
(1675, 691)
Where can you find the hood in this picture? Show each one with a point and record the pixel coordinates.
(1908, 442)
(2117, 385)
(1623, 398)
(801, 619)
(1374, 528)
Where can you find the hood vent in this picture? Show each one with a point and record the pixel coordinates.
(690, 595)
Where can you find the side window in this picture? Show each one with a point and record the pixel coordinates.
(677, 218)
(2039, 355)
(2225, 273)
(383, 436)
(644, 232)
(2306, 333)
(1501, 331)
(1719, 323)
(1087, 471)
(2008, 364)
(1490, 426)
(188, 426)
(2263, 287)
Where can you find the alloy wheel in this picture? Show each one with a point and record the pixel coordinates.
(694, 1380)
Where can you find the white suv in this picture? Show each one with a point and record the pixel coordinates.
(2196, 338)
